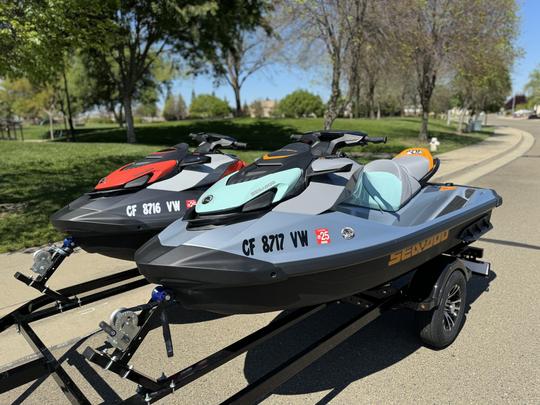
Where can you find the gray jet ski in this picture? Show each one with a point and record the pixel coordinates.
(138, 200)
(306, 225)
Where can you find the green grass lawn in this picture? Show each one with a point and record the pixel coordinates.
(36, 179)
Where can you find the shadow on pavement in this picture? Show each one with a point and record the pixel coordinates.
(384, 342)
(379, 345)
(74, 358)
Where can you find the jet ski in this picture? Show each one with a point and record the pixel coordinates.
(306, 225)
(137, 201)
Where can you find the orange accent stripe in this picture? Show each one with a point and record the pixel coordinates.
(444, 188)
(267, 157)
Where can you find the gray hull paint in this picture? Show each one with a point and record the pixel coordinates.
(233, 269)
(117, 225)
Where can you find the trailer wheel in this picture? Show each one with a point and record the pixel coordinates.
(440, 326)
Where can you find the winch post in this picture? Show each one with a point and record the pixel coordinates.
(39, 282)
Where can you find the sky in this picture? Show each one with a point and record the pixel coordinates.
(277, 81)
(529, 41)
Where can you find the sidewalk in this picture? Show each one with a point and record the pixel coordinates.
(463, 166)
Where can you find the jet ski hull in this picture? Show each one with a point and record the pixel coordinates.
(118, 225)
(228, 281)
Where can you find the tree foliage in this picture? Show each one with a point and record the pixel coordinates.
(301, 103)
(174, 108)
(533, 87)
(208, 106)
(439, 37)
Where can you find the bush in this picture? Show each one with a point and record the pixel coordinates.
(301, 103)
(207, 106)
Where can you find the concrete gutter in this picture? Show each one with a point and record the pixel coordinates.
(465, 165)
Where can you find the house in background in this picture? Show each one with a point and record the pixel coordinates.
(262, 108)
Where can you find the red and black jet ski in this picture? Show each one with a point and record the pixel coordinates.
(137, 201)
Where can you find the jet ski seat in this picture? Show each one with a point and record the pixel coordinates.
(418, 162)
(390, 184)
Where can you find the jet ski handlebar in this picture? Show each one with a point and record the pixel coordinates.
(210, 142)
(379, 139)
(328, 142)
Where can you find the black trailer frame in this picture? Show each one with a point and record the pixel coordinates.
(372, 304)
(51, 303)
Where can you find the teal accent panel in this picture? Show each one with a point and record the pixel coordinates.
(225, 197)
(379, 190)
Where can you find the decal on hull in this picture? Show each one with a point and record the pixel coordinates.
(417, 248)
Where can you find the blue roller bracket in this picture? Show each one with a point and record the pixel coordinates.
(160, 294)
(69, 242)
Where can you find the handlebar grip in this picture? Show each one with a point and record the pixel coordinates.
(378, 139)
(240, 145)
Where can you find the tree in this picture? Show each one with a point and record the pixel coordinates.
(35, 35)
(437, 35)
(142, 31)
(333, 24)
(36, 38)
(248, 53)
(208, 106)
(532, 87)
(301, 103)
(174, 108)
(147, 101)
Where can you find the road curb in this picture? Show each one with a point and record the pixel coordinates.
(470, 173)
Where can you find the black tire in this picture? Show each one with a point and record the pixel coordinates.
(439, 327)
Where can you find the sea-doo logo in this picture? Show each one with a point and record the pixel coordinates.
(263, 188)
(417, 248)
(207, 199)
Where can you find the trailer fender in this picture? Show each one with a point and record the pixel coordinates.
(425, 288)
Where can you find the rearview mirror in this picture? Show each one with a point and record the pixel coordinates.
(326, 166)
(191, 160)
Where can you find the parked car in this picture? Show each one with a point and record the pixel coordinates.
(522, 113)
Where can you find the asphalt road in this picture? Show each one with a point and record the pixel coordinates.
(496, 358)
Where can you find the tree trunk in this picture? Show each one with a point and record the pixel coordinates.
(423, 136)
(371, 100)
(378, 110)
(68, 102)
(238, 112)
(462, 119)
(51, 125)
(426, 84)
(332, 109)
(131, 138)
(121, 116)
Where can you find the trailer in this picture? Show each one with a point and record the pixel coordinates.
(436, 291)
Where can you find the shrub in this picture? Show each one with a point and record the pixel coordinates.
(301, 103)
(207, 105)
